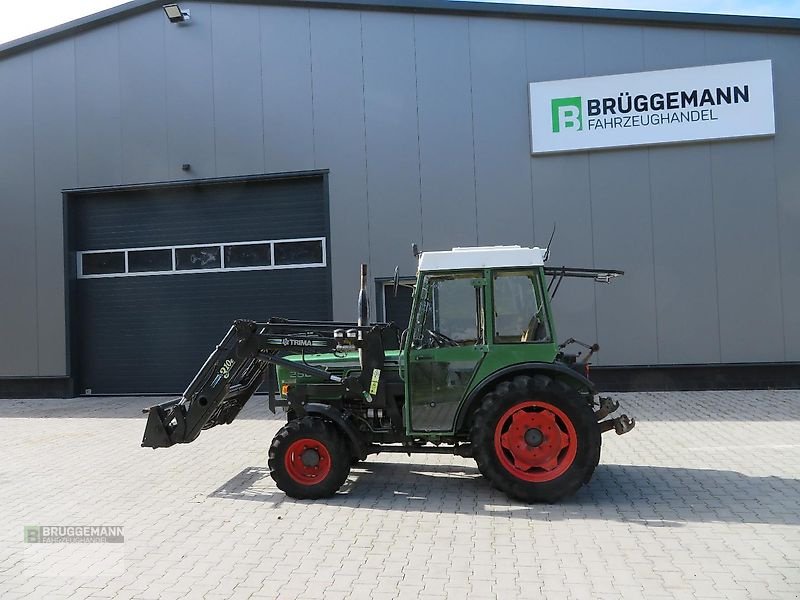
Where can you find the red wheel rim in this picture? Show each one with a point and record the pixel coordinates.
(307, 461)
(535, 441)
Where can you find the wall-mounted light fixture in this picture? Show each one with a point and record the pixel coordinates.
(175, 13)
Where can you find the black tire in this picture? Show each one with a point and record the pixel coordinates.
(295, 449)
(556, 404)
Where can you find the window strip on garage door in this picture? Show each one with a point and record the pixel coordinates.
(296, 253)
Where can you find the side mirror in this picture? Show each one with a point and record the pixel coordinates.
(396, 280)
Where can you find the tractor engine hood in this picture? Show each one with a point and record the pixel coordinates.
(340, 364)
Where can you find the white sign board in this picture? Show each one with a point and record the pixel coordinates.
(654, 107)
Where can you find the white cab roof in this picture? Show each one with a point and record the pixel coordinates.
(482, 257)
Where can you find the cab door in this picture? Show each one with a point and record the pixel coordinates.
(446, 346)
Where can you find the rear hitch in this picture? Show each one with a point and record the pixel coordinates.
(621, 424)
(607, 406)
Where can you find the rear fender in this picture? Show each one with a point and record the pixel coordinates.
(555, 370)
(335, 415)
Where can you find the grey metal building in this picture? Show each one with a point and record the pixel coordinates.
(158, 180)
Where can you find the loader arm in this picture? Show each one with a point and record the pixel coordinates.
(238, 366)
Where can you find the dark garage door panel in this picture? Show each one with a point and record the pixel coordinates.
(219, 213)
(150, 334)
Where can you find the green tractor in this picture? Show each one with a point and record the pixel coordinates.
(477, 372)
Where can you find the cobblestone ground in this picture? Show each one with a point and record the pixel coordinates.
(701, 500)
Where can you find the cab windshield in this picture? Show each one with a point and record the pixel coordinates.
(449, 313)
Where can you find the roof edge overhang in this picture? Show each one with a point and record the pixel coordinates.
(452, 7)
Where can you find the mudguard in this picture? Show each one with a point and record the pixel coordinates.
(340, 418)
(562, 371)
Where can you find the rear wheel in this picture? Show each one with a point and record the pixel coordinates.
(536, 439)
(309, 458)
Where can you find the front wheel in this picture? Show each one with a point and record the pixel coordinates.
(309, 458)
(536, 439)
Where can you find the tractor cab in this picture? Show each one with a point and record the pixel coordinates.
(475, 310)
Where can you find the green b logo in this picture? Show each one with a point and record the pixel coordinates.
(566, 114)
(32, 534)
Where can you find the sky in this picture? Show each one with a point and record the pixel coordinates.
(18, 19)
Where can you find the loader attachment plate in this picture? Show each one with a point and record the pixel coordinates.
(156, 434)
(227, 380)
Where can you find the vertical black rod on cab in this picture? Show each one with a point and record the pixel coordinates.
(363, 312)
(363, 300)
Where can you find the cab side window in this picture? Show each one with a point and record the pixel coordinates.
(519, 314)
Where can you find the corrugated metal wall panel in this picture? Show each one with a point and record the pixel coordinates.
(98, 106)
(393, 175)
(143, 98)
(561, 184)
(286, 89)
(684, 253)
(55, 148)
(339, 143)
(190, 96)
(449, 211)
(502, 165)
(238, 106)
(18, 301)
(786, 147)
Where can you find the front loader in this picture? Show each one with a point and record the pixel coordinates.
(477, 372)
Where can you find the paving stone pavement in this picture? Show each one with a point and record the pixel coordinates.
(701, 500)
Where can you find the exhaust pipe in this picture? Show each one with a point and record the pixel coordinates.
(363, 300)
(364, 359)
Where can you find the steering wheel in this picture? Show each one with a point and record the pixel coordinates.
(441, 338)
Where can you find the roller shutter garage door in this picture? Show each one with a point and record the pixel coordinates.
(160, 274)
